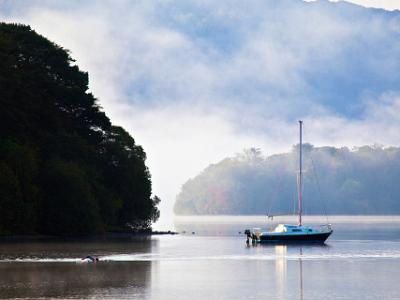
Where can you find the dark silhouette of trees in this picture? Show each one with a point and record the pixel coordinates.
(64, 168)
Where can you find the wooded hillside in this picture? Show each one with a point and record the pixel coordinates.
(363, 180)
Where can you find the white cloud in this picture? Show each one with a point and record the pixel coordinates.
(181, 141)
(196, 82)
(384, 4)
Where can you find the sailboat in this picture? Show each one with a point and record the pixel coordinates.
(295, 232)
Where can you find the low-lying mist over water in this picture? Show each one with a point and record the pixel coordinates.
(359, 227)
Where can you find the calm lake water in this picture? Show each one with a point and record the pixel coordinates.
(361, 260)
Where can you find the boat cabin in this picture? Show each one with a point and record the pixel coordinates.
(285, 228)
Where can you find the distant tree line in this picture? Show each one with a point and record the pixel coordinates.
(64, 168)
(363, 180)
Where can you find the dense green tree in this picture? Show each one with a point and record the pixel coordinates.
(68, 204)
(18, 193)
(64, 168)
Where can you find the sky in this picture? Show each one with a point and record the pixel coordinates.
(197, 81)
(384, 4)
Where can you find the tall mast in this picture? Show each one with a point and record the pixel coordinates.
(300, 173)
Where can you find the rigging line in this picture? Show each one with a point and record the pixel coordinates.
(319, 188)
(296, 207)
(318, 184)
(275, 196)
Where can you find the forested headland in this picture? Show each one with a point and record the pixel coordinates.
(65, 169)
(362, 180)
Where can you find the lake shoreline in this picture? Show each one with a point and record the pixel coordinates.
(284, 219)
(105, 236)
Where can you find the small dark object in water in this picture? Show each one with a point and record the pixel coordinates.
(91, 258)
(193, 232)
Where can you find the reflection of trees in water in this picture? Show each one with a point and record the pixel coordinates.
(35, 280)
(62, 279)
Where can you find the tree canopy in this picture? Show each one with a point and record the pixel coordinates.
(64, 168)
(362, 180)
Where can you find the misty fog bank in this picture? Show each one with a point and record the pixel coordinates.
(362, 180)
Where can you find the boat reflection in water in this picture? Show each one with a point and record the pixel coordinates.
(281, 272)
(301, 273)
